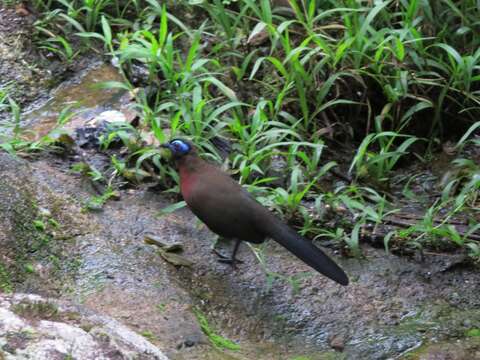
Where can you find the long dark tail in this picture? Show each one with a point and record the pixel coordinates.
(306, 251)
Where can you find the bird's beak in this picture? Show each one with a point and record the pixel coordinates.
(167, 154)
(168, 147)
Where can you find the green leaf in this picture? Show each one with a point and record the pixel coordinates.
(217, 340)
(90, 35)
(371, 15)
(399, 49)
(39, 225)
(454, 54)
(162, 35)
(107, 32)
(473, 333)
(469, 132)
(172, 208)
(222, 87)
(29, 268)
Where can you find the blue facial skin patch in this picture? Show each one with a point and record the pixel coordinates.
(179, 147)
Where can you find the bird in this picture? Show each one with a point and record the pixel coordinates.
(230, 211)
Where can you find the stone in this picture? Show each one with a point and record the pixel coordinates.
(337, 342)
(64, 337)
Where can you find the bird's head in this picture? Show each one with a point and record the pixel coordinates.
(179, 148)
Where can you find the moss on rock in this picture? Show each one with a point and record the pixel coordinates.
(5, 281)
(29, 253)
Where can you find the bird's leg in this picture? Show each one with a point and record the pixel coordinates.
(232, 259)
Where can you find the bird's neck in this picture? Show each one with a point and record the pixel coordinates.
(188, 167)
(189, 164)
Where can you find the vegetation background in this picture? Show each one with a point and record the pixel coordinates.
(355, 120)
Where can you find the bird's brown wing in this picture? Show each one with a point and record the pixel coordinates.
(224, 206)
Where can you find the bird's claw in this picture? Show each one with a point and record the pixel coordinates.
(230, 261)
(219, 254)
(226, 259)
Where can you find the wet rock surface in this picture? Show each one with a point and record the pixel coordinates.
(393, 308)
(32, 327)
(34, 249)
(90, 105)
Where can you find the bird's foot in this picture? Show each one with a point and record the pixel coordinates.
(230, 261)
(226, 259)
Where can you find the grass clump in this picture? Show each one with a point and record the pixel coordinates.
(473, 333)
(148, 335)
(218, 341)
(5, 281)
